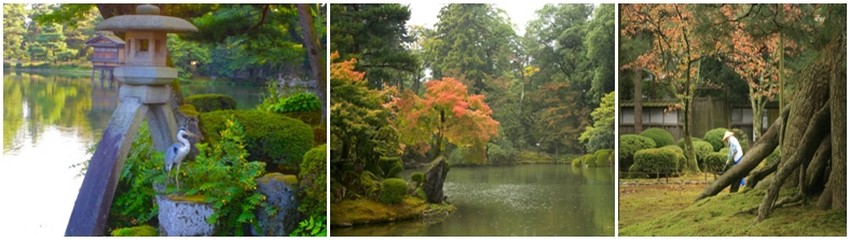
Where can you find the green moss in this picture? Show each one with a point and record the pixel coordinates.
(418, 177)
(289, 179)
(393, 190)
(187, 198)
(211, 102)
(721, 216)
(363, 211)
(278, 140)
(143, 230)
(189, 110)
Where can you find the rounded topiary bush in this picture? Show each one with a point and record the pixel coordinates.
(601, 157)
(393, 190)
(210, 102)
(278, 140)
(577, 162)
(702, 150)
(417, 177)
(589, 160)
(312, 177)
(660, 136)
(681, 142)
(714, 162)
(655, 162)
(715, 138)
(680, 156)
(300, 102)
(629, 145)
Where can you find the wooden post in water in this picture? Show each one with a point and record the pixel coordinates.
(144, 93)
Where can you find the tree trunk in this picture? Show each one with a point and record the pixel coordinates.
(314, 53)
(834, 195)
(758, 152)
(759, 174)
(638, 100)
(818, 127)
(816, 170)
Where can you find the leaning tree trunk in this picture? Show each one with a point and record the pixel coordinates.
(757, 153)
(817, 128)
(834, 195)
(813, 180)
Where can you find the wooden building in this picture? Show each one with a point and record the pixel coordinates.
(108, 53)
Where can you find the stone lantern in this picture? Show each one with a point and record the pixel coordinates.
(145, 93)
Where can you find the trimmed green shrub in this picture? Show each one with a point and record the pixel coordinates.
(417, 177)
(313, 181)
(210, 102)
(589, 160)
(393, 190)
(577, 162)
(681, 142)
(702, 150)
(143, 230)
(278, 140)
(601, 157)
(313, 118)
(724, 150)
(680, 156)
(629, 145)
(497, 155)
(660, 136)
(714, 162)
(300, 102)
(656, 162)
(715, 138)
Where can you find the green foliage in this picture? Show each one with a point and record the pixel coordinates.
(278, 140)
(680, 156)
(702, 149)
(393, 190)
(467, 156)
(313, 181)
(144, 166)
(313, 226)
(660, 136)
(184, 53)
(387, 167)
(417, 177)
(656, 162)
(301, 102)
(140, 231)
(225, 178)
(629, 145)
(601, 134)
(715, 137)
(602, 156)
(534, 157)
(742, 138)
(577, 162)
(497, 155)
(210, 102)
(714, 162)
(681, 142)
(600, 32)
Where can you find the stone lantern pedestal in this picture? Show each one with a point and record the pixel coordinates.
(144, 94)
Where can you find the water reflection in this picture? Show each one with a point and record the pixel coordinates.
(529, 200)
(49, 120)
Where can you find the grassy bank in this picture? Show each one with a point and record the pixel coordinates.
(365, 211)
(649, 208)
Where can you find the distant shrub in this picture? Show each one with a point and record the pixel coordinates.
(300, 102)
(714, 162)
(715, 138)
(656, 162)
(210, 102)
(313, 181)
(393, 190)
(743, 139)
(702, 150)
(577, 162)
(660, 136)
(681, 142)
(629, 145)
(417, 177)
(497, 155)
(601, 157)
(278, 140)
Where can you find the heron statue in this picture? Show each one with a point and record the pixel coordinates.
(175, 154)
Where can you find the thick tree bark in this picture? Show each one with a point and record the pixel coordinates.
(834, 195)
(815, 176)
(759, 174)
(314, 53)
(816, 130)
(757, 153)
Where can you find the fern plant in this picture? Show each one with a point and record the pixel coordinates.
(224, 177)
(312, 226)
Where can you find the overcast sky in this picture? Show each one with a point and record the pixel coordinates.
(520, 12)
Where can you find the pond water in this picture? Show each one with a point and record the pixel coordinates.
(525, 200)
(49, 120)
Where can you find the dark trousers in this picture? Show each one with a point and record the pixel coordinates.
(735, 185)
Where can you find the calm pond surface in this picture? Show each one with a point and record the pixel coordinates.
(526, 200)
(49, 120)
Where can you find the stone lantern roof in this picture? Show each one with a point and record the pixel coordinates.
(147, 18)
